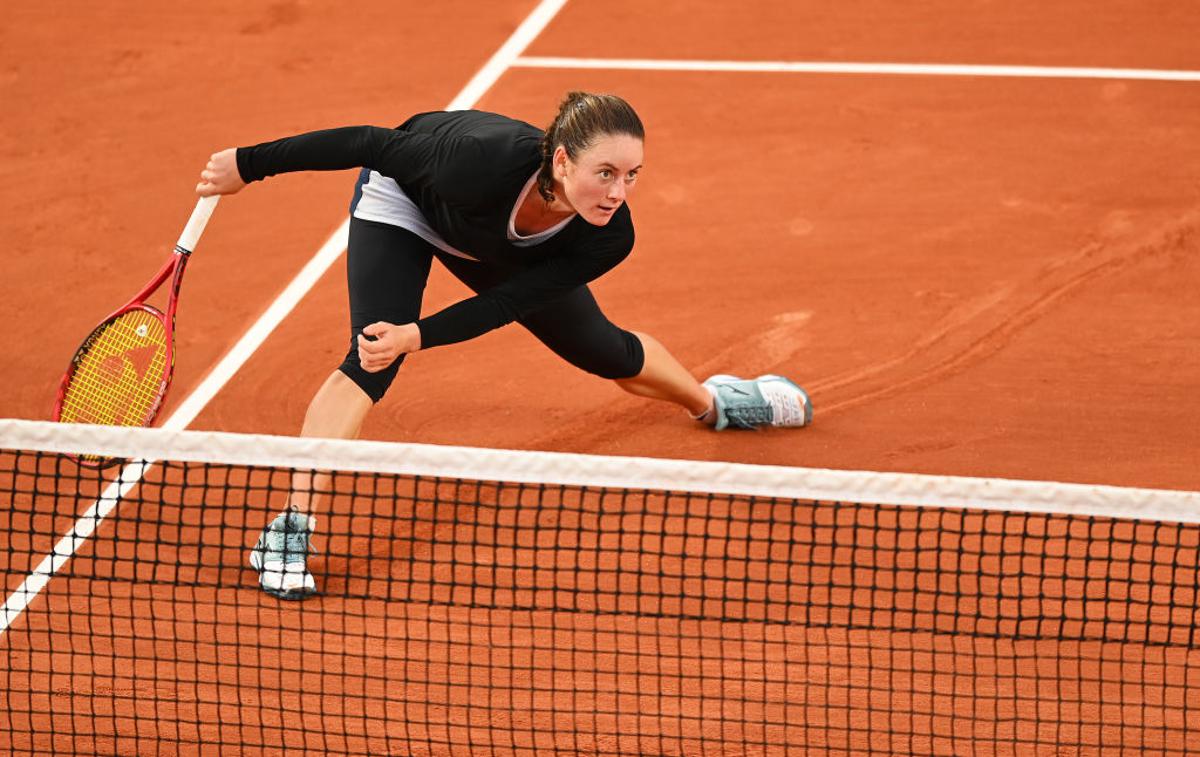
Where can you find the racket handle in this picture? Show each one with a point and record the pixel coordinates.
(195, 225)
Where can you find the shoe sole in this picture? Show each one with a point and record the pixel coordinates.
(290, 596)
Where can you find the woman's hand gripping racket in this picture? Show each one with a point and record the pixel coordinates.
(120, 374)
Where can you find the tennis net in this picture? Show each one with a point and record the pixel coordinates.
(499, 603)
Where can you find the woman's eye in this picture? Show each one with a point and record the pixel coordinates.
(605, 174)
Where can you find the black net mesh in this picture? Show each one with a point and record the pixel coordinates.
(464, 617)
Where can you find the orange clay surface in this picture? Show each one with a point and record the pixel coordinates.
(972, 276)
(986, 277)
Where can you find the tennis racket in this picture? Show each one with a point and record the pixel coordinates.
(120, 374)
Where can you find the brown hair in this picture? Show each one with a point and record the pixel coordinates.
(582, 117)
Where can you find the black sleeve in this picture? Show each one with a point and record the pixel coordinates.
(526, 292)
(326, 150)
(403, 155)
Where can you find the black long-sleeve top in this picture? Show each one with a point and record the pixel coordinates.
(465, 170)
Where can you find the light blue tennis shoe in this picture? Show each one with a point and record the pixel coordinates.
(281, 556)
(768, 400)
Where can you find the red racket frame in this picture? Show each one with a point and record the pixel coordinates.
(173, 268)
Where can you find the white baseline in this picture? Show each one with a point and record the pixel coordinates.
(874, 69)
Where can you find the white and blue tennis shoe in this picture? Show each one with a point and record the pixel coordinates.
(281, 556)
(768, 400)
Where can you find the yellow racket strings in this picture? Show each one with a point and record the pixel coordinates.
(120, 372)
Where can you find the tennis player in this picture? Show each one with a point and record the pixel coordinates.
(526, 219)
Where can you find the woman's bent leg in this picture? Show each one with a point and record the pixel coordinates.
(663, 378)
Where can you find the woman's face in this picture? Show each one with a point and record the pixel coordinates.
(596, 183)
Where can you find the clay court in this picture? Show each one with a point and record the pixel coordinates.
(974, 273)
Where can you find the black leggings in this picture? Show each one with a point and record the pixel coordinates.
(386, 270)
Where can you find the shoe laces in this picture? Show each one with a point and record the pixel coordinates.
(749, 416)
(291, 543)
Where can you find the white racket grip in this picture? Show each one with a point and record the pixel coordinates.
(195, 225)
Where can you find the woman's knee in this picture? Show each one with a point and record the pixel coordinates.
(375, 385)
(615, 354)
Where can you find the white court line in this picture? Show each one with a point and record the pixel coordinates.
(886, 69)
(220, 375)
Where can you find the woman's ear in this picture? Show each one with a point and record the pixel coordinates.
(559, 162)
